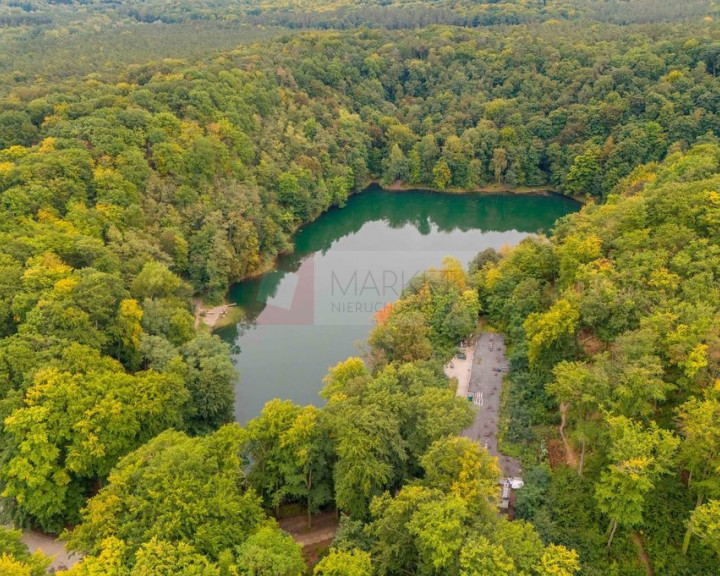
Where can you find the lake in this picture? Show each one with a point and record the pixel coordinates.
(316, 307)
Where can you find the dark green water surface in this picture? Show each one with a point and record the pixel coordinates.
(316, 307)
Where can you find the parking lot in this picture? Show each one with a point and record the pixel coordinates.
(489, 366)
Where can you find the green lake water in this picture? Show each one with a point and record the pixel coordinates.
(316, 307)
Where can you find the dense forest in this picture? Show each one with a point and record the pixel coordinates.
(614, 329)
(134, 182)
(78, 37)
(209, 168)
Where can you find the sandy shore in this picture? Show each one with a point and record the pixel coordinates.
(212, 317)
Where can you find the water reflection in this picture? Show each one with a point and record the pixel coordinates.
(297, 322)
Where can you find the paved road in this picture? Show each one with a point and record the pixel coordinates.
(486, 385)
(62, 559)
(50, 546)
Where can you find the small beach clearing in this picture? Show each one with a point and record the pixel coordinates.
(215, 316)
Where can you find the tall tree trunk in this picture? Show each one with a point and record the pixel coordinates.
(688, 532)
(308, 487)
(582, 459)
(612, 533)
(277, 501)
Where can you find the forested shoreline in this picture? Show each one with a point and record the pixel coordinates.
(128, 188)
(226, 158)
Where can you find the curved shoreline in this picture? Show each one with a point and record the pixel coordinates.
(400, 186)
(214, 312)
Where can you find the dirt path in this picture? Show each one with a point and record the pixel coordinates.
(642, 553)
(570, 456)
(320, 536)
(324, 528)
(461, 370)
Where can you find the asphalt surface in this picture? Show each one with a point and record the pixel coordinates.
(62, 559)
(489, 366)
(50, 546)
